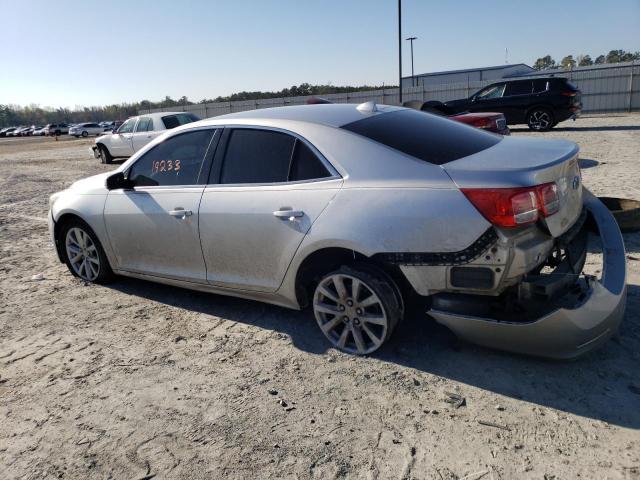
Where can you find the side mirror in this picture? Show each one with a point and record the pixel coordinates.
(118, 181)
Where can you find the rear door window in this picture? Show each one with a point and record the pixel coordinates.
(427, 137)
(518, 88)
(257, 156)
(305, 165)
(173, 121)
(143, 124)
(540, 85)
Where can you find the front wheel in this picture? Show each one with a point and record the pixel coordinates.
(85, 134)
(540, 119)
(357, 309)
(83, 253)
(105, 156)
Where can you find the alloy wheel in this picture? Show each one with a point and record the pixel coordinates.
(82, 254)
(540, 120)
(350, 314)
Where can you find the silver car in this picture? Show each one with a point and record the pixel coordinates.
(355, 211)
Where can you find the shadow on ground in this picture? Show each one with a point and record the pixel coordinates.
(588, 163)
(595, 386)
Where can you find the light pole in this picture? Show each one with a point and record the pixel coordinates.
(411, 39)
(400, 51)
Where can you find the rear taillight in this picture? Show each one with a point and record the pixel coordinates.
(568, 93)
(514, 207)
(487, 123)
(549, 200)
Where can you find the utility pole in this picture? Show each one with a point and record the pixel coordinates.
(400, 51)
(411, 39)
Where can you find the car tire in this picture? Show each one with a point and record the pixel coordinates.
(85, 134)
(105, 156)
(90, 263)
(540, 119)
(357, 308)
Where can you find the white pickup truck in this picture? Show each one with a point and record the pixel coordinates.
(136, 132)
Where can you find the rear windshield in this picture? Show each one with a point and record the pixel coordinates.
(425, 136)
(173, 121)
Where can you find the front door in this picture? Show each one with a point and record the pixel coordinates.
(489, 99)
(269, 188)
(153, 228)
(516, 99)
(120, 144)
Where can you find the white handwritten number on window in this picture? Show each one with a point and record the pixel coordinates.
(165, 166)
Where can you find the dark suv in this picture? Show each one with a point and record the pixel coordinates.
(540, 103)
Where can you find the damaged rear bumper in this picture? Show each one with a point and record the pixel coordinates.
(583, 321)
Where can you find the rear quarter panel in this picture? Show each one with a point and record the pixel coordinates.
(385, 220)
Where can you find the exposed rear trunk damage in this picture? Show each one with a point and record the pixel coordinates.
(558, 314)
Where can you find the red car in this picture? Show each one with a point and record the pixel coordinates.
(491, 121)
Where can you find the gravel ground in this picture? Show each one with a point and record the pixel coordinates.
(138, 380)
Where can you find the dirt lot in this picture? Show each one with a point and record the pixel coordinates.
(137, 380)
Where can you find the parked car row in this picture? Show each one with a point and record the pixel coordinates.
(136, 132)
(77, 129)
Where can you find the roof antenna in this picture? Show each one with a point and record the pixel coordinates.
(506, 56)
(369, 107)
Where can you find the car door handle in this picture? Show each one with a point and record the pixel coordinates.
(180, 213)
(288, 214)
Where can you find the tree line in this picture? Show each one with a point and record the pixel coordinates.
(568, 62)
(12, 115)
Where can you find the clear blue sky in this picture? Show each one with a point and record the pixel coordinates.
(82, 52)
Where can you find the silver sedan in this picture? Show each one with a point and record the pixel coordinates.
(355, 212)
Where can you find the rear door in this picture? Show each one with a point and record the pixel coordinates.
(144, 133)
(268, 188)
(517, 98)
(121, 141)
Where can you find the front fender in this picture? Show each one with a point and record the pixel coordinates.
(87, 207)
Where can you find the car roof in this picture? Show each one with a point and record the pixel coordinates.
(333, 115)
(158, 114)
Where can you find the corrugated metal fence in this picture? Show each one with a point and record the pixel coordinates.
(610, 89)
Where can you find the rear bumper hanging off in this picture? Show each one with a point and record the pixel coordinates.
(583, 321)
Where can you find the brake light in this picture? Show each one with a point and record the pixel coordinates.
(483, 123)
(569, 93)
(514, 207)
(549, 200)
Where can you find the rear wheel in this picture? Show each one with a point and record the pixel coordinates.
(357, 309)
(105, 156)
(83, 253)
(540, 119)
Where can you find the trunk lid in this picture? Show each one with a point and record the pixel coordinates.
(525, 162)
